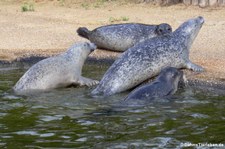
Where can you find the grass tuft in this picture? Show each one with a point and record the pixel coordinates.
(121, 19)
(27, 7)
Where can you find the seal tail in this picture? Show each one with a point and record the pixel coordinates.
(83, 32)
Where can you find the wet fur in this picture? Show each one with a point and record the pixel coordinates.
(164, 85)
(57, 71)
(146, 59)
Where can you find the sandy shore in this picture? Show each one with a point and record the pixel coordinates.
(51, 29)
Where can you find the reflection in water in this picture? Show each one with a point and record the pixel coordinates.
(71, 118)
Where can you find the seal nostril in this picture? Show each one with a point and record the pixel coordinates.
(92, 46)
(92, 49)
(201, 19)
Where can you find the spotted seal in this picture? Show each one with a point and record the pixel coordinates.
(164, 85)
(120, 37)
(57, 71)
(146, 59)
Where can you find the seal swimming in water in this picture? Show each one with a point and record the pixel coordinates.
(57, 71)
(164, 85)
(120, 37)
(146, 59)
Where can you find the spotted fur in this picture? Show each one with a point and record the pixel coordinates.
(147, 58)
(120, 37)
(57, 71)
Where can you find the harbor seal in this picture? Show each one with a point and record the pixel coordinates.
(146, 59)
(164, 85)
(120, 37)
(57, 71)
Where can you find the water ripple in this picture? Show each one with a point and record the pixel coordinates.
(32, 133)
(51, 118)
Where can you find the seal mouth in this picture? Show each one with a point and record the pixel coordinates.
(93, 47)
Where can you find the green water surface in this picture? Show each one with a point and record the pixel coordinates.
(71, 118)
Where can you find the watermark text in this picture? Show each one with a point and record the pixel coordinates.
(202, 145)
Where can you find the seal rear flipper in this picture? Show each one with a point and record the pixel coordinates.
(83, 32)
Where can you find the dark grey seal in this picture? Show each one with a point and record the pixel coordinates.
(146, 59)
(57, 71)
(120, 37)
(164, 85)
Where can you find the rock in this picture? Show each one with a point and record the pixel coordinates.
(195, 2)
(221, 2)
(203, 3)
(187, 2)
(213, 3)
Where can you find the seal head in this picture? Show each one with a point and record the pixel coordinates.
(190, 29)
(163, 29)
(165, 84)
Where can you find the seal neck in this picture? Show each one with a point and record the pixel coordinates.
(184, 38)
(76, 55)
(188, 31)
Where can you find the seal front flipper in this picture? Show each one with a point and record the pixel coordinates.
(194, 67)
(86, 81)
(83, 32)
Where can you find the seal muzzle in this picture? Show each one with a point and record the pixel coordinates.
(92, 46)
(201, 19)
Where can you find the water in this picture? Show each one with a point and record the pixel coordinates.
(70, 118)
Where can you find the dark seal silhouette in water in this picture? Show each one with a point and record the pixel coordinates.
(120, 37)
(57, 71)
(164, 85)
(146, 59)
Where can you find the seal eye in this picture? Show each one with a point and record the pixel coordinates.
(86, 44)
(173, 75)
(160, 30)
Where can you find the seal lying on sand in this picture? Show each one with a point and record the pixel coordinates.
(165, 84)
(120, 37)
(58, 71)
(146, 59)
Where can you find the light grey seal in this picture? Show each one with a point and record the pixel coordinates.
(120, 37)
(164, 85)
(57, 71)
(146, 59)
